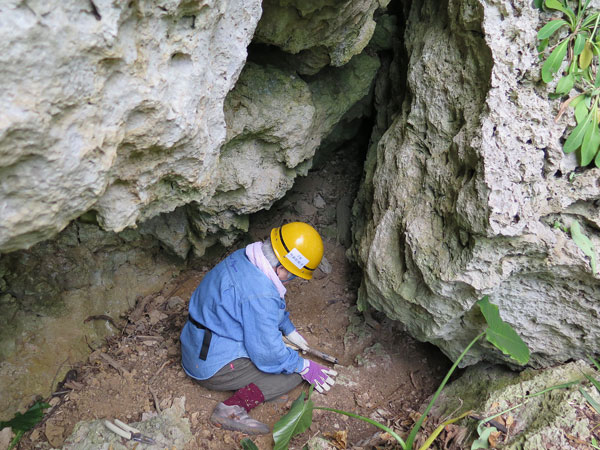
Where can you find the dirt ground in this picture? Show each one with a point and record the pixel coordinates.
(383, 373)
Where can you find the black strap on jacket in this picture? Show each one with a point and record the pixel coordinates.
(206, 340)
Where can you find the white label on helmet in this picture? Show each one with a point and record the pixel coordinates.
(297, 258)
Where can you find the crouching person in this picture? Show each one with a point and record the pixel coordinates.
(232, 340)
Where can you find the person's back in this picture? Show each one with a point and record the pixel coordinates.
(246, 315)
(237, 318)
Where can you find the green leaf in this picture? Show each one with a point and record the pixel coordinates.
(591, 142)
(581, 109)
(584, 243)
(542, 46)
(550, 28)
(589, 20)
(554, 61)
(25, 422)
(501, 334)
(433, 436)
(565, 84)
(590, 400)
(483, 441)
(248, 444)
(555, 4)
(538, 4)
(415, 429)
(595, 382)
(579, 44)
(22, 423)
(586, 56)
(596, 363)
(296, 421)
(576, 137)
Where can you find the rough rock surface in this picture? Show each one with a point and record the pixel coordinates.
(169, 429)
(461, 194)
(322, 32)
(127, 117)
(543, 421)
(120, 114)
(49, 292)
(112, 106)
(275, 123)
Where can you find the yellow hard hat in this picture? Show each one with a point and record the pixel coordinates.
(298, 248)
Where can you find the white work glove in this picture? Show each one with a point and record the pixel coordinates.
(318, 375)
(296, 338)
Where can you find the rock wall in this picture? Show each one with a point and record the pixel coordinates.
(119, 113)
(48, 293)
(322, 32)
(552, 419)
(115, 107)
(462, 191)
(135, 131)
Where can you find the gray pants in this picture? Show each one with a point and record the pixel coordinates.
(241, 372)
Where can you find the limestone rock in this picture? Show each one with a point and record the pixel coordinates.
(6, 435)
(275, 123)
(172, 229)
(338, 28)
(112, 106)
(462, 191)
(48, 292)
(542, 421)
(169, 429)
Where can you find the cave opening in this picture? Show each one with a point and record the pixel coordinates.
(91, 278)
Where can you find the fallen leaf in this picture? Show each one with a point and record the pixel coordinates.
(414, 415)
(493, 439)
(509, 421)
(339, 439)
(156, 316)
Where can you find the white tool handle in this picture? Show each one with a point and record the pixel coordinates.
(112, 427)
(126, 427)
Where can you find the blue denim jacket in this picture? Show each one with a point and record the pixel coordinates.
(242, 308)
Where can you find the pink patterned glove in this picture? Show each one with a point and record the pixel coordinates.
(318, 375)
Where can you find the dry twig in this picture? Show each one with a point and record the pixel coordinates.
(155, 398)
(122, 371)
(166, 363)
(412, 380)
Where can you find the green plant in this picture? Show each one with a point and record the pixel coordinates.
(498, 332)
(484, 432)
(579, 46)
(593, 403)
(248, 444)
(22, 423)
(584, 243)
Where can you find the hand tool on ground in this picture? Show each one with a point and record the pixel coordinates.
(320, 354)
(312, 351)
(124, 430)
